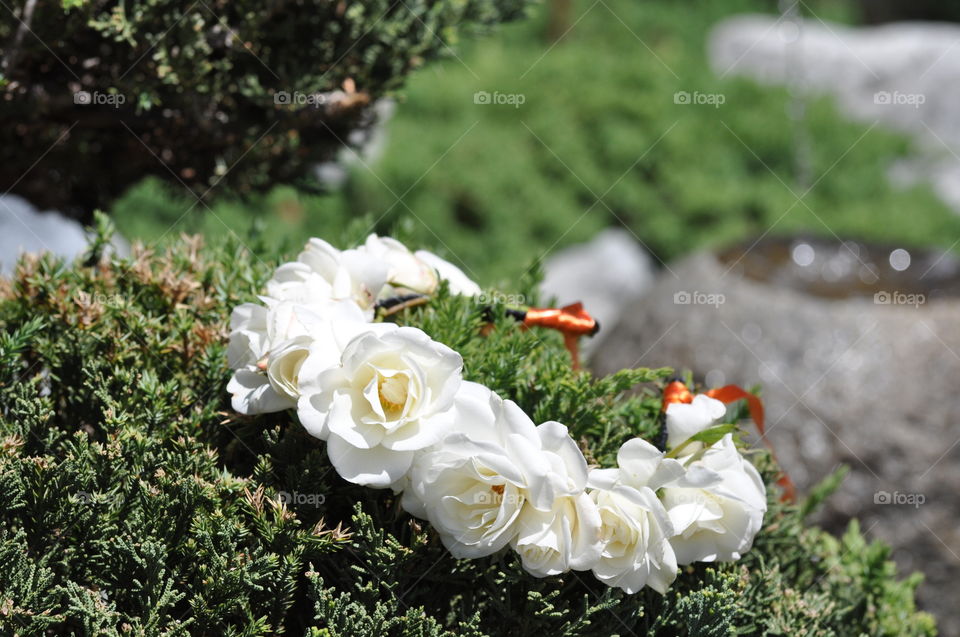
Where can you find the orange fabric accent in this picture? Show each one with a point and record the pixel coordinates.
(732, 393)
(572, 321)
(676, 392)
(571, 342)
(789, 489)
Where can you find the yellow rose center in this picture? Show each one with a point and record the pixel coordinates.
(393, 394)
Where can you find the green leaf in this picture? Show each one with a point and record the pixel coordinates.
(707, 437)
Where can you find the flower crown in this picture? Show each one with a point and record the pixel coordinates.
(395, 412)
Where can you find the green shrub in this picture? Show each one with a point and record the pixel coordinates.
(136, 502)
(185, 90)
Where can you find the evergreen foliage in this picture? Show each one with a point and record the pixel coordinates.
(136, 503)
(184, 90)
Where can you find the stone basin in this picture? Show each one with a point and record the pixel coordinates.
(845, 269)
(857, 349)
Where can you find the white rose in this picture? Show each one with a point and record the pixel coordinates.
(688, 419)
(477, 410)
(459, 282)
(635, 528)
(297, 283)
(283, 366)
(717, 506)
(405, 272)
(567, 536)
(251, 393)
(249, 340)
(634, 532)
(472, 493)
(494, 468)
(388, 398)
(322, 258)
(330, 341)
(268, 346)
(321, 272)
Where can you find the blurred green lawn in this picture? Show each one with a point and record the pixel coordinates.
(598, 141)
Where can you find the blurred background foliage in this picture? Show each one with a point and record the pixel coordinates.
(598, 141)
(202, 93)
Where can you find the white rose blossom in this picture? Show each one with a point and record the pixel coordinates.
(687, 419)
(405, 272)
(419, 271)
(498, 479)
(268, 345)
(379, 268)
(459, 282)
(565, 537)
(389, 397)
(717, 506)
(472, 486)
(635, 527)
(322, 272)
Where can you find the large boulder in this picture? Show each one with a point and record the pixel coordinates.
(857, 350)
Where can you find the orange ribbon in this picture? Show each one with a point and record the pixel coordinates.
(571, 320)
(677, 392)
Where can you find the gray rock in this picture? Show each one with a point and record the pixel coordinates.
(862, 380)
(904, 75)
(606, 273)
(24, 229)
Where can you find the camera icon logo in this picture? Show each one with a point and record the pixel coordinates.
(681, 97)
(682, 298)
(481, 97)
(882, 97)
(882, 497)
(882, 298)
(82, 98)
(281, 97)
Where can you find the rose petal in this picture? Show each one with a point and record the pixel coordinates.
(374, 467)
